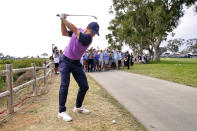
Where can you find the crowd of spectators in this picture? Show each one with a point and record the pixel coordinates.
(102, 60)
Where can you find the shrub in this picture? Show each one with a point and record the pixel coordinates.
(22, 63)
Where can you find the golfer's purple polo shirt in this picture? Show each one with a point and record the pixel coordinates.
(76, 47)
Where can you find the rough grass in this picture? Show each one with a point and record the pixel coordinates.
(180, 70)
(21, 63)
(40, 113)
(25, 91)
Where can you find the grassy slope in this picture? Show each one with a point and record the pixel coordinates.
(182, 70)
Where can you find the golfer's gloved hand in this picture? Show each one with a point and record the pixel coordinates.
(63, 16)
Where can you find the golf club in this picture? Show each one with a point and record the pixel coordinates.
(79, 15)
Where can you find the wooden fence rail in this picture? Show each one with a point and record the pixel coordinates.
(9, 82)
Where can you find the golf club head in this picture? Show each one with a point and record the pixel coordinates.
(95, 17)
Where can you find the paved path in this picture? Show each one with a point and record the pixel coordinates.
(159, 105)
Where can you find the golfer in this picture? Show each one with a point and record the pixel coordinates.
(70, 63)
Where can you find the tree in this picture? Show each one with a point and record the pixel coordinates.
(112, 43)
(162, 50)
(194, 49)
(185, 51)
(146, 23)
(192, 45)
(25, 57)
(174, 45)
(1, 55)
(128, 28)
(172, 11)
(44, 55)
(7, 57)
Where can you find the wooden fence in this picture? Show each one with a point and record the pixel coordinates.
(9, 82)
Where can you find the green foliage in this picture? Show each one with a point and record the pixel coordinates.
(141, 23)
(192, 45)
(2, 83)
(173, 45)
(162, 50)
(6, 61)
(2, 66)
(21, 63)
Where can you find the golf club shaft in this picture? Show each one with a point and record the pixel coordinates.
(80, 15)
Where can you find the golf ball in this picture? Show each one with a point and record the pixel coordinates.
(114, 121)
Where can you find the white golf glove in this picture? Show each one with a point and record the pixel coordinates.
(62, 15)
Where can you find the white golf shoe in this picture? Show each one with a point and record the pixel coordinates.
(64, 116)
(81, 110)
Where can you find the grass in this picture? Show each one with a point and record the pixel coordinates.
(179, 70)
(40, 113)
(23, 92)
(2, 66)
(21, 63)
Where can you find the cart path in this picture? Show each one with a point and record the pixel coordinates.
(158, 104)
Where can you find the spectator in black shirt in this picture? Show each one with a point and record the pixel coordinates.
(128, 59)
(131, 59)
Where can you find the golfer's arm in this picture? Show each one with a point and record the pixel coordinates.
(72, 27)
(64, 30)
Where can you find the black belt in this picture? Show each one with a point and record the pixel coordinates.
(70, 60)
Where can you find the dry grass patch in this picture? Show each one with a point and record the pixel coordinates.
(40, 113)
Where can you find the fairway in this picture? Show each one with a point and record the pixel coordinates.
(182, 60)
(179, 70)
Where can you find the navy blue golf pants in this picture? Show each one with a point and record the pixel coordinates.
(67, 67)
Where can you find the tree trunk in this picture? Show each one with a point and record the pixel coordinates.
(156, 49)
(156, 54)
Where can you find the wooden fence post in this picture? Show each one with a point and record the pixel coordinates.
(45, 77)
(9, 84)
(34, 77)
(51, 68)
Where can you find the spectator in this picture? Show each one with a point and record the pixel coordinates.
(90, 60)
(131, 61)
(119, 59)
(85, 61)
(110, 60)
(61, 52)
(54, 50)
(56, 61)
(122, 59)
(128, 57)
(101, 61)
(116, 57)
(96, 61)
(106, 59)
